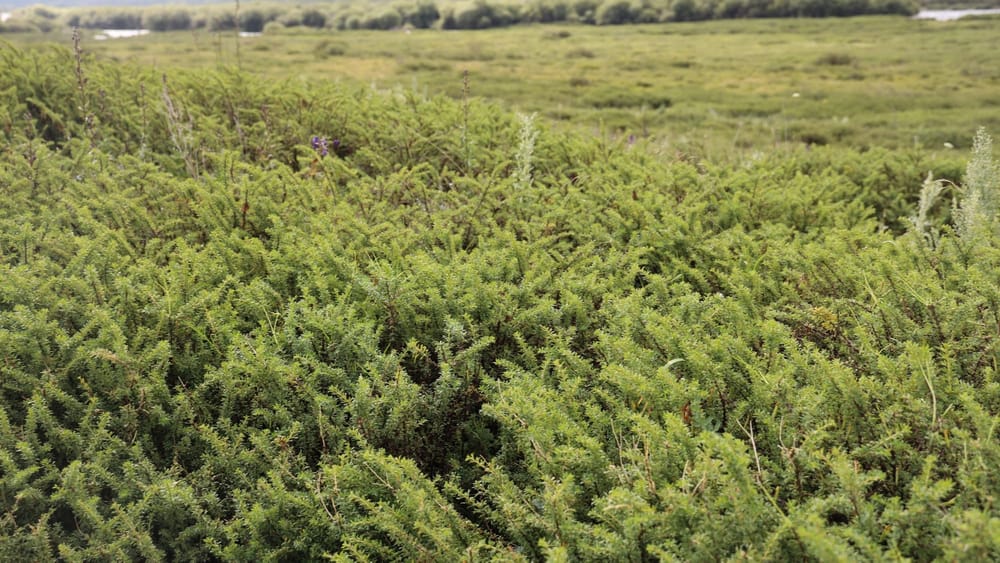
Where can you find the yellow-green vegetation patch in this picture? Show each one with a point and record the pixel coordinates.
(863, 82)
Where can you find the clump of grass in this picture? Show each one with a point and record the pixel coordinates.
(578, 81)
(617, 99)
(474, 51)
(327, 49)
(525, 152)
(424, 66)
(580, 53)
(976, 212)
(975, 208)
(814, 138)
(561, 34)
(930, 191)
(836, 59)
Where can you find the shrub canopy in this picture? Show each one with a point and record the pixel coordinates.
(460, 335)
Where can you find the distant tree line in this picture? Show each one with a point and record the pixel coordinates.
(424, 14)
(959, 4)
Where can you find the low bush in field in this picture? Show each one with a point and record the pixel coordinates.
(836, 59)
(244, 319)
(326, 48)
(621, 98)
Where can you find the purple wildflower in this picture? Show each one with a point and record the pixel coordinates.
(319, 145)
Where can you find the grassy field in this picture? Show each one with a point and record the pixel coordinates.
(723, 90)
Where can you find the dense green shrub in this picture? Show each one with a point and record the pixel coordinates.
(106, 19)
(244, 319)
(615, 12)
(422, 15)
(252, 21)
(386, 19)
(313, 18)
(171, 20)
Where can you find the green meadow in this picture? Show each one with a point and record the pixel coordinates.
(718, 291)
(723, 90)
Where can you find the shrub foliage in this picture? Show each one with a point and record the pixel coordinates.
(243, 319)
